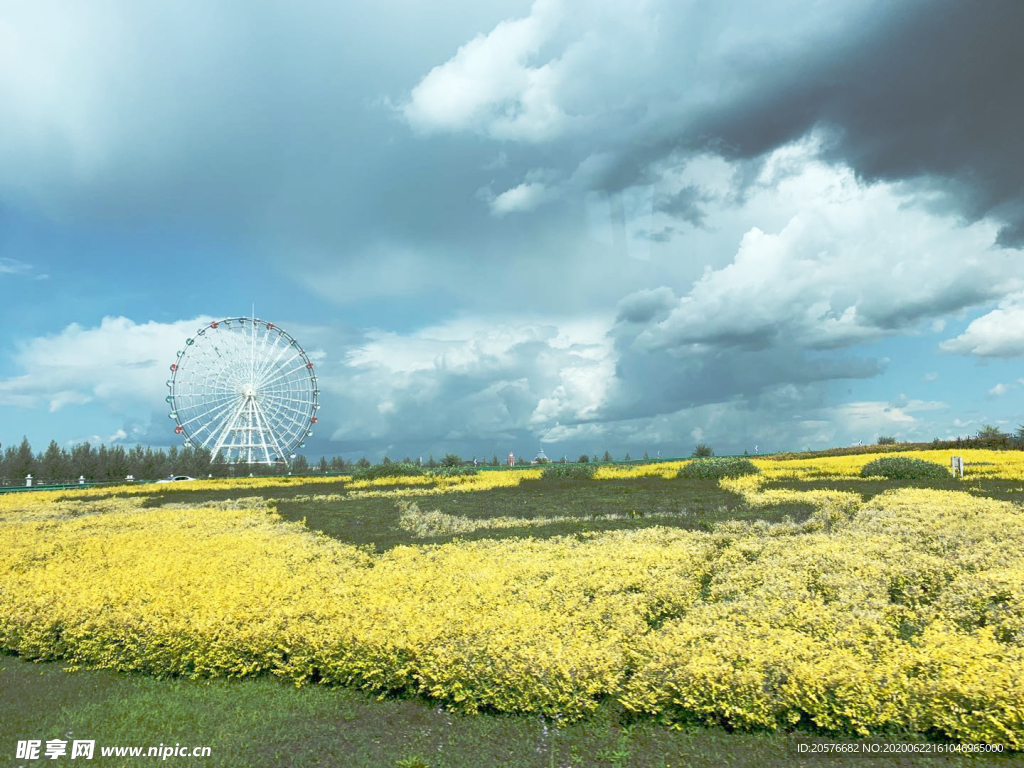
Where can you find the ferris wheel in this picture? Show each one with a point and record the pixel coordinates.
(244, 388)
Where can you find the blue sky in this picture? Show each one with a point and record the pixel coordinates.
(508, 226)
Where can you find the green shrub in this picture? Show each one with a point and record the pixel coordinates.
(703, 450)
(903, 468)
(451, 460)
(569, 472)
(887, 440)
(451, 471)
(716, 468)
(392, 469)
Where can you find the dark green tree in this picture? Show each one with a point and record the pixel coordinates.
(219, 467)
(171, 465)
(363, 462)
(187, 461)
(116, 466)
(607, 456)
(199, 464)
(322, 467)
(83, 462)
(299, 465)
(703, 450)
(55, 465)
(154, 465)
(451, 460)
(6, 459)
(22, 463)
(583, 459)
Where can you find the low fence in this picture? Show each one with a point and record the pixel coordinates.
(69, 486)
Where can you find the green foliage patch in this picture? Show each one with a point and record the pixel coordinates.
(717, 468)
(569, 472)
(450, 470)
(392, 469)
(903, 468)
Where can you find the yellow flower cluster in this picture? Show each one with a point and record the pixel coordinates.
(906, 611)
(386, 481)
(667, 469)
(912, 615)
(483, 481)
(831, 508)
(436, 523)
(1004, 465)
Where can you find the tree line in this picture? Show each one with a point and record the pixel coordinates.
(83, 462)
(58, 465)
(86, 463)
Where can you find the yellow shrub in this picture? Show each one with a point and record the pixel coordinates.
(908, 612)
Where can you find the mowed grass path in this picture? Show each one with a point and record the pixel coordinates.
(598, 505)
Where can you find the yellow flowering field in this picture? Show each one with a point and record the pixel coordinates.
(906, 611)
(1004, 465)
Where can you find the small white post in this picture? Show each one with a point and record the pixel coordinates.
(28, 481)
(81, 479)
(958, 466)
(130, 478)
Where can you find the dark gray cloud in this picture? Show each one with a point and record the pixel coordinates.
(663, 380)
(414, 164)
(685, 205)
(919, 90)
(647, 306)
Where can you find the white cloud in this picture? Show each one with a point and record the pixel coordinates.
(490, 86)
(95, 440)
(930, 376)
(524, 197)
(998, 333)
(873, 416)
(825, 278)
(516, 375)
(68, 397)
(566, 65)
(9, 266)
(999, 390)
(120, 364)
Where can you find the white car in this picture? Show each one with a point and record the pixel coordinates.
(175, 479)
